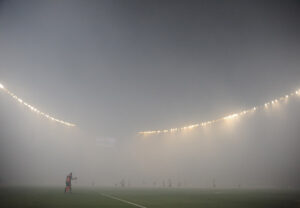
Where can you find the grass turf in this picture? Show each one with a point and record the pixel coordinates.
(150, 198)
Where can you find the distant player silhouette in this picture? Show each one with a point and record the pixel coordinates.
(69, 179)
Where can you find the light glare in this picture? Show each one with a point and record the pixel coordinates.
(35, 110)
(232, 116)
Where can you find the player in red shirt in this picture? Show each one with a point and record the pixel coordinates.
(69, 183)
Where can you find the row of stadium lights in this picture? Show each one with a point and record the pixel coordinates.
(225, 118)
(172, 130)
(34, 109)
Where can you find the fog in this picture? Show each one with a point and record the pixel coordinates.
(115, 68)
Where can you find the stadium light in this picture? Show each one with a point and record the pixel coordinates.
(34, 109)
(229, 117)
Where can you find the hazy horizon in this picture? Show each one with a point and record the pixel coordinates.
(115, 68)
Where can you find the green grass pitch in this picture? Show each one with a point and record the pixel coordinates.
(151, 198)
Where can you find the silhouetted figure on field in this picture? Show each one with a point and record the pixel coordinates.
(122, 183)
(163, 184)
(214, 183)
(170, 183)
(154, 183)
(69, 183)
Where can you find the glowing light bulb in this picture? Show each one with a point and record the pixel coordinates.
(1, 86)
(231, 116)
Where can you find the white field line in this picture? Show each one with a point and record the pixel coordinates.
(122, 200)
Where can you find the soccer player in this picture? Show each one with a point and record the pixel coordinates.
(69, 183)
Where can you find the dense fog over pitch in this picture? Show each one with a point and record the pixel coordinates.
(115, 68)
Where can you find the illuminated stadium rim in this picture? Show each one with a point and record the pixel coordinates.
(172, 130)
(228, 117)
(34, 109)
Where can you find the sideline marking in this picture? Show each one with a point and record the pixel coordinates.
(122, 200)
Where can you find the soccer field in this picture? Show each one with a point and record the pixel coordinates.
(150, 198)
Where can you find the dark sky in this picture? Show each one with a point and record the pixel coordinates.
(118, 67)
